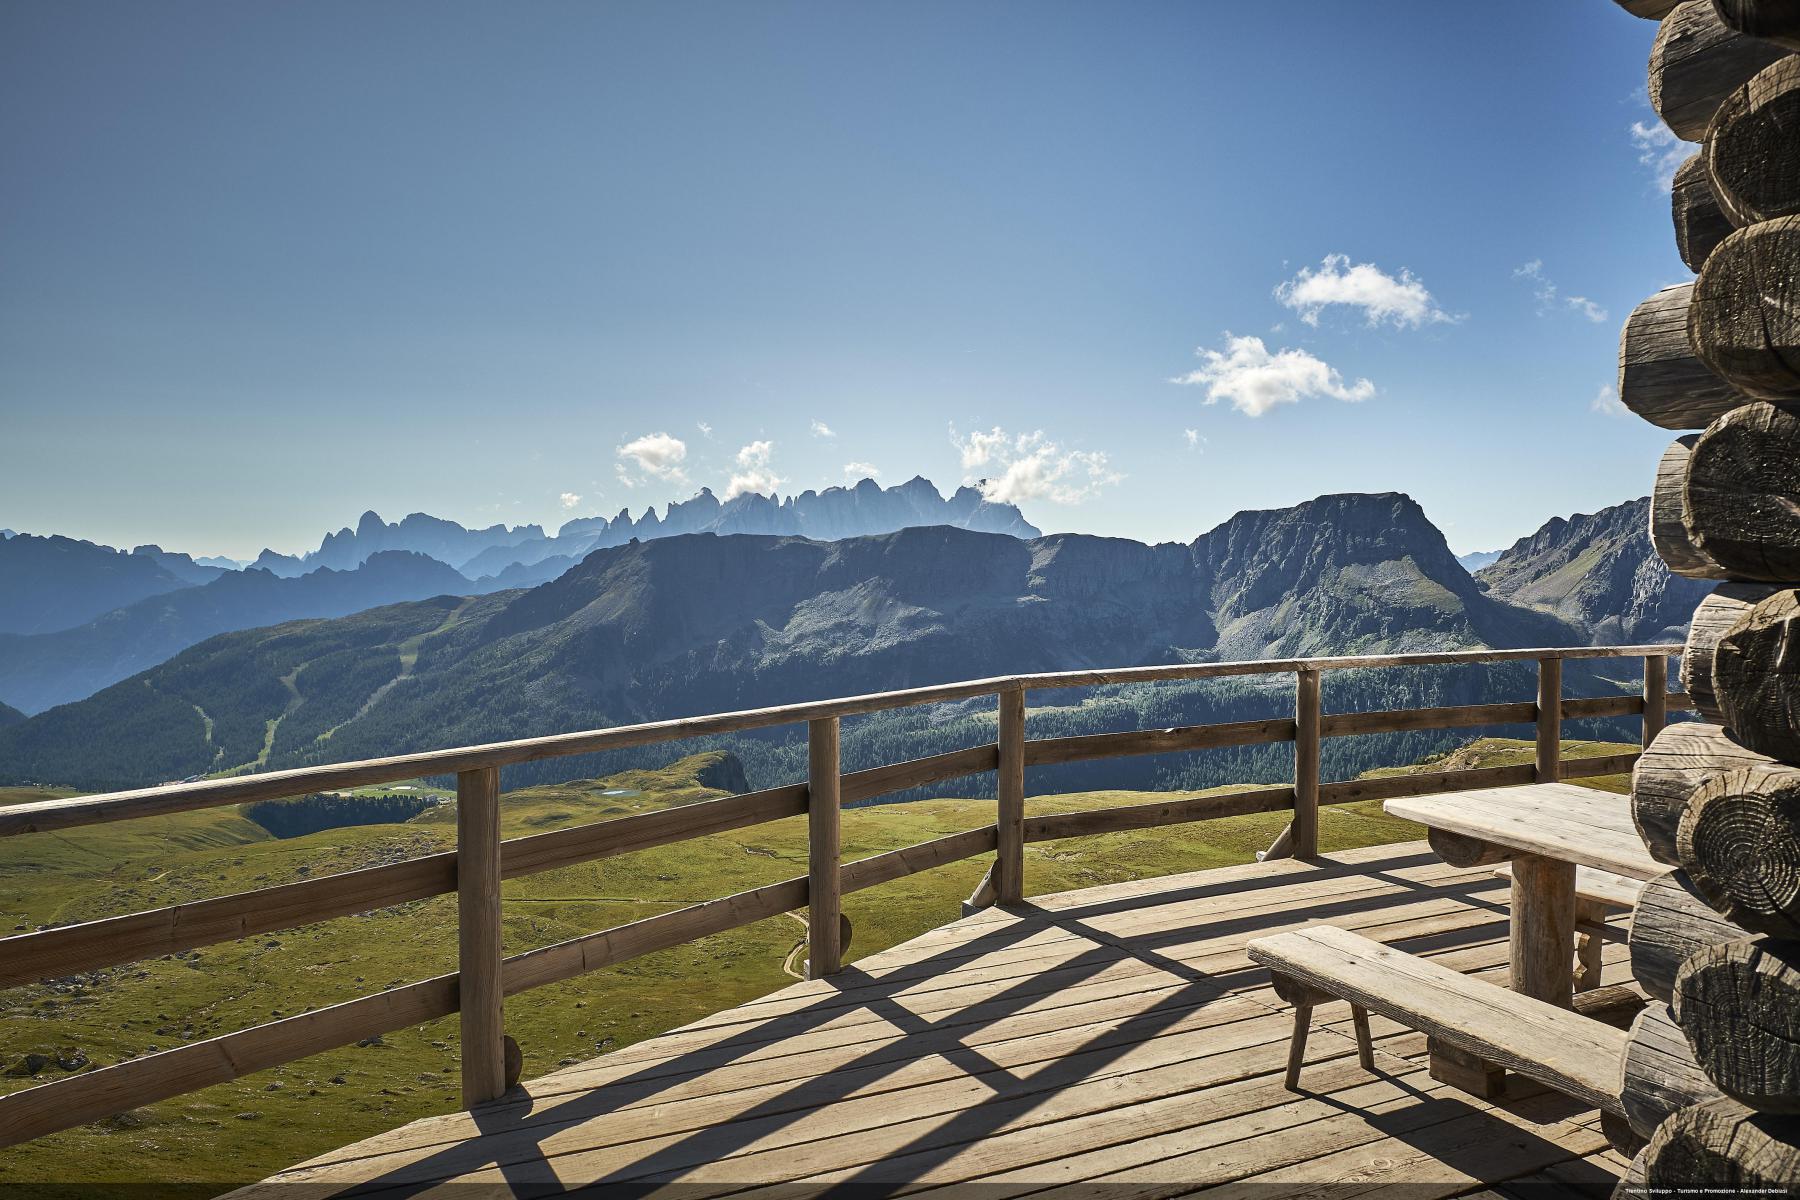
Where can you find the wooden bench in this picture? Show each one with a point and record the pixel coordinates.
(1597, 892)
(1559, 1048)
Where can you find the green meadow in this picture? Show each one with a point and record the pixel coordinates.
(202, 1143)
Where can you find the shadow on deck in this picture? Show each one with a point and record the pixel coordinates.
(1114, 1040)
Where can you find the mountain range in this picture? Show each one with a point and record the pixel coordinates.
(705, 622)
(253, 670)
(83, 619)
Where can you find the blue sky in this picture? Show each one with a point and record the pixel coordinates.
(268, 265)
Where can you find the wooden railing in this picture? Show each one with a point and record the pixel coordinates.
(481, 859)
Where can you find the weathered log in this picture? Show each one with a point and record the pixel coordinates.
(1682, 757)
(1741, 501)
(1670, 923)
(1654, 10)
(1697, 61)
(1668, 531)
(1661, 379)
(1739, 841)
(1753, 147)
(1713, 619)
(1744, 318)
(1659, 1076)
(1756, 676)
(1722, 1148)
(1700, 225)
(1739, 1005)
(1776, 20)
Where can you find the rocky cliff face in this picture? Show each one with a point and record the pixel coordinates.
(1600, 573)
(1346, 574)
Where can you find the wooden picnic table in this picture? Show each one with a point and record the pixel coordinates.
(1547, 830)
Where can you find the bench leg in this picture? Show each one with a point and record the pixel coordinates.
(1464, 1071)
(1297, 1047)
(1365, 1048)
(1588, 945)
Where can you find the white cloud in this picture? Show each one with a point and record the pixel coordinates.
(1255, 380)
(1401, 300)
(1606, 402)
(655, 454)
(704, 428)
(570, 499)
(821, 430)
(1193, 438)
(1549, 296)
(1032, 467)
(1659, 149)
(1587, 308)
(861, 470)
(753, 473)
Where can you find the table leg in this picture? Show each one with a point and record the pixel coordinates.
(1543, 929)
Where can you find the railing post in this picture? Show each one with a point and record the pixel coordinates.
(824, 893)
(1306, 763)
(478, 935)
(1009, 792)
(1656, 696)
(1549, 720)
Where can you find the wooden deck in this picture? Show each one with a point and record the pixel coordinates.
(1110, 1041)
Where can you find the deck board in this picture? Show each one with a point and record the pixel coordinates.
(1114, 1036)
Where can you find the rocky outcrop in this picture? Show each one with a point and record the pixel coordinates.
(1600, 573)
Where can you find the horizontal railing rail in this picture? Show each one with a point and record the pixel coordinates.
(482, 859)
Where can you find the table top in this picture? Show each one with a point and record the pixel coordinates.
(1555, 820)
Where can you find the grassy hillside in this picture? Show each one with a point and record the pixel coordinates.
(246, 1129)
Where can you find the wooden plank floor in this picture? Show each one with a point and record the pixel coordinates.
(1114, 1041)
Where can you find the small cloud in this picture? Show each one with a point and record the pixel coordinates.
(1400, 300)
(861, 470)
(1032, 467)
(570, 500)
(1587, 308)
(753, 473)
(657, 455)
(1659, 149)
(1549, 297)
(821, 430)
(1193, 439)
(1255, 381)
(704, 428)
(1607, 403)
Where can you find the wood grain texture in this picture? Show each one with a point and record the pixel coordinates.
(1756, 676)
(1752, 149)
(1563, 821)
(1543, 928)
(824, 901)
(1089, 746)
(1661, 379)
(1739, 1005)
(1658, 1075)
(1681, 758)
(480, 989)
(1670, 923)
(1713, 619)
(1050, 826)
(858, 786)
(1739, 841)
(1722, 1148)
(1776, 20)
(1744, 319)
(1595, 886)
(1552, 1045)
(1009, 861)
(1700, 225)
(1306, 764)
(1656, 697)
(1696, 61)
(1668, 524)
